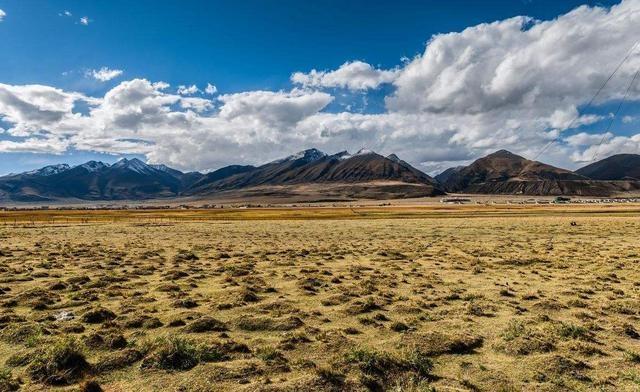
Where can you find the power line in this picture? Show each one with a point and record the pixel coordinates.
(590, 101)
(626, 94)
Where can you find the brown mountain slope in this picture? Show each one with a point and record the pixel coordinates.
(315, 167)
(555, 188)
(504, 166)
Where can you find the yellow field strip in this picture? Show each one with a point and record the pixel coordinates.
(395, 212)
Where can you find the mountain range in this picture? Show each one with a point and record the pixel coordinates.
(503, 172)
(319, 176)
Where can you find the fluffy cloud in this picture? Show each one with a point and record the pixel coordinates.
(2, 15)
(104, 74)
(355, 75)
(85, 21)
(36, 108)
(211, 89)
(514, 84)
(277, 109)
(51, 146)
(138, 116)
(522, 63)
(188, 90)
(603, 145)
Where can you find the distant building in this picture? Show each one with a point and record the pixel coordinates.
(562, 199)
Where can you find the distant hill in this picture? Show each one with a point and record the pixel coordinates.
(506, 173)
(616, 167)
(443, 177)
(504, 166)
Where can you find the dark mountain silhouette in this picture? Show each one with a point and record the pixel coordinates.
(616, 167)
(443, 177)
(220, 174)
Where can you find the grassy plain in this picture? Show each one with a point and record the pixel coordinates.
(491, 298)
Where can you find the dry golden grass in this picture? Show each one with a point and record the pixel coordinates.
(396, 211)
(403, 299)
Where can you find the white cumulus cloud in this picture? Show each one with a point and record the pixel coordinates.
(520, 63)
(2, 15)
(104, 74)
(211, 89)
(355, 75)
(604, 145)
(37, 145)
(188, 90)
(278, 109)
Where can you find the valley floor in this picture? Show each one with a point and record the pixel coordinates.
(490, 298)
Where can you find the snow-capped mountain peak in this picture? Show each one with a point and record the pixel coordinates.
(309, 155)
(346, 155)
(167, 169)
(161, 167)
(341, 155)
(135, 165)
(49, 170)
(364, 151)
(93, 166)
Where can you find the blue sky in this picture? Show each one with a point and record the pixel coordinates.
(239, 47)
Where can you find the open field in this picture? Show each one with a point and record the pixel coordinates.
(402, 298)
(416, 210)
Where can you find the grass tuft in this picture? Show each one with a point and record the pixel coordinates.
(61, 363)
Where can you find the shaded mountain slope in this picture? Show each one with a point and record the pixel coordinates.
(443, 177)
(503, 166)
(506, 173)
(313, 166)
(555, 188)
(126, 179)
(615, 167)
